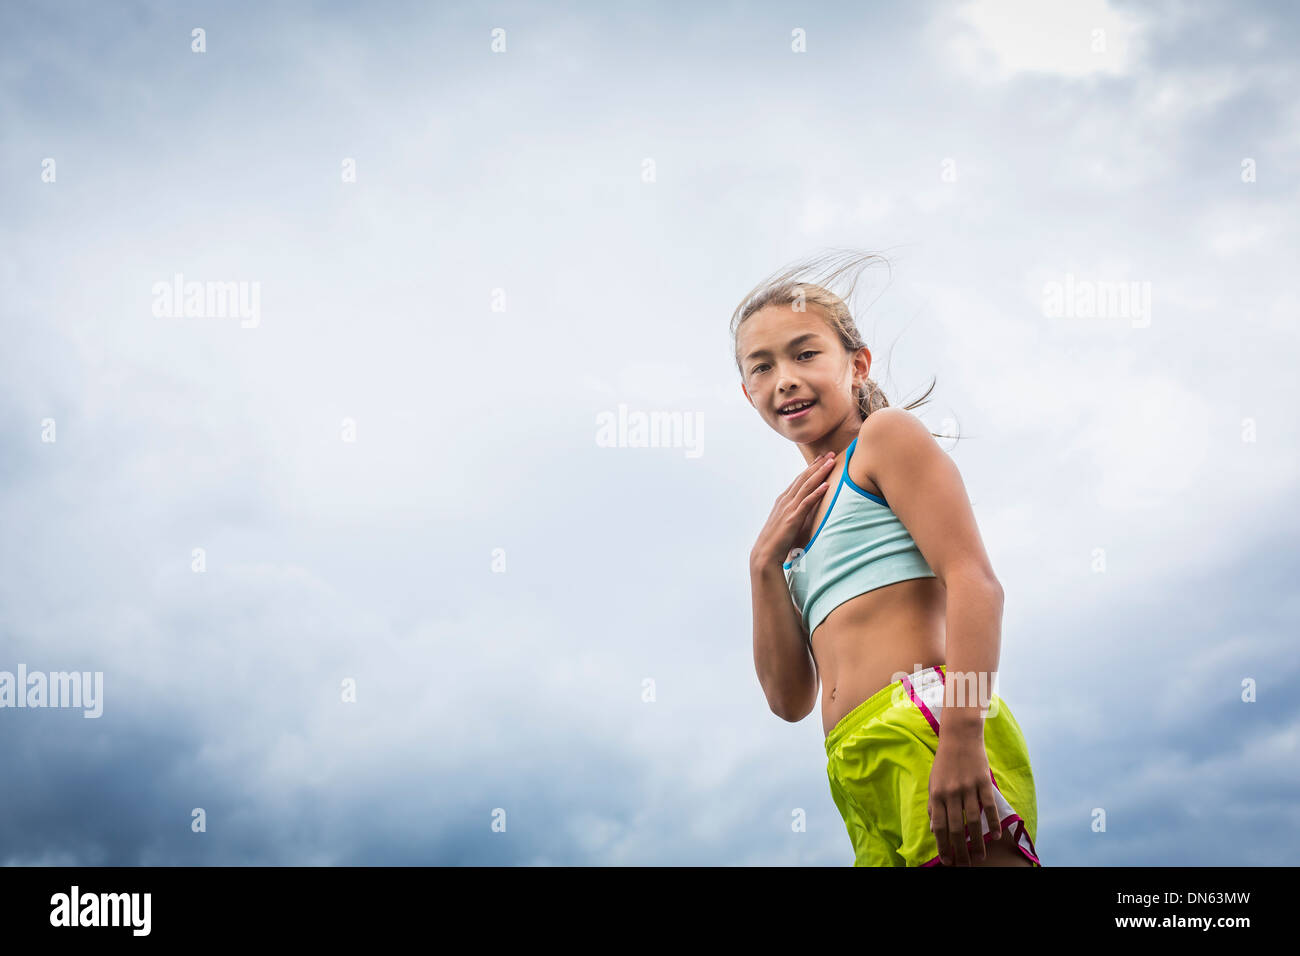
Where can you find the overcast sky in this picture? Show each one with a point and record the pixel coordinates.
(465, 257)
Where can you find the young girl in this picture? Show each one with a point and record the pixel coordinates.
(870, 577)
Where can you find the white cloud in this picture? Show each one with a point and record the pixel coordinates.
(873, 207)
(997, 39)
(1175, 97)
(818, 213)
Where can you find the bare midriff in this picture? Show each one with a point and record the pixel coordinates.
(866, 642)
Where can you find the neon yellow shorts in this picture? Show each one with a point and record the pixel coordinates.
(879, 758)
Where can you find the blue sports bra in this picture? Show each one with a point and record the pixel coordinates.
(863, 547)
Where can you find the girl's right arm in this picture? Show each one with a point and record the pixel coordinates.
(785, 666)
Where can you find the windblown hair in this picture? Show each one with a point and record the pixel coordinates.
(786, 288)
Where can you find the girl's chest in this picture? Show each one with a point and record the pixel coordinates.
(835, 483)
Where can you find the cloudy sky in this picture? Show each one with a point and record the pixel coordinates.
(474, 232)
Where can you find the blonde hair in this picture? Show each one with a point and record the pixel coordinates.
(783, 288)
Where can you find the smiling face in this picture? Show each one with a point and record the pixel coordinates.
(788, 356)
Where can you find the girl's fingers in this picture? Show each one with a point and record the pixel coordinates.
(813, 497)
(808, 470)
(976, 832)
(814, 473)
(799, 515)
(991, 811)
(796, 504)
(939, 827)
(957, 833)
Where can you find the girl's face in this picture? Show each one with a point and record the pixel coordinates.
(788, 356)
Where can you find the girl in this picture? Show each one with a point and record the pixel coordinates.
(870, 577)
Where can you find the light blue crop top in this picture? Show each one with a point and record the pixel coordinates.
(863, 547)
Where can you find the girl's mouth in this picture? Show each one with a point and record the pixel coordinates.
(808, 407)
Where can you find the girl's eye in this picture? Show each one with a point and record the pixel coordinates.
(759, 368)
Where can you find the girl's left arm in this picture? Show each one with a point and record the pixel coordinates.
(924, 488)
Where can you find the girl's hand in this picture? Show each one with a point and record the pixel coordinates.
(960, 780)
(790, 514)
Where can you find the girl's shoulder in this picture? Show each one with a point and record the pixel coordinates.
(891, 416)
(885, 424)
(883, 429)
